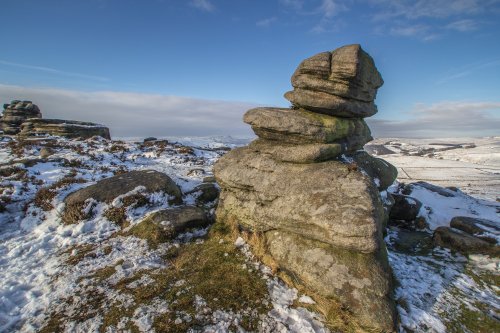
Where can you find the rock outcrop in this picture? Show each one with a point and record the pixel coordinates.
(64, 128)
(309, 195)
(15, 113)
(25, 119)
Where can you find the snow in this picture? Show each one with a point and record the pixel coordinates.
(35, 246)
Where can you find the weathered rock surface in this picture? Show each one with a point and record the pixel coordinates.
(332, 105)
(15, 114)
(293, 153)
(309, 196)
(342, 207)
(108, 189)
(334, 272)
(343, 83)
(460, 241)
(173, 221)
(301, 126)
(65, 128)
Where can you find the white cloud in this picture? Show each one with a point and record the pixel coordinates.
(134, 114)
(266, 22)
(53, 71)
(413, 30)
(205, 5)
(463, 25)
(294, 4)
(444, 119)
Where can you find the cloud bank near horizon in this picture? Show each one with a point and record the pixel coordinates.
(129, 114)
(136, 114)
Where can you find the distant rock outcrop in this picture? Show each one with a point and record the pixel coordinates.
(64, 128)
(307, 193)
(15, 113)
(25, 119)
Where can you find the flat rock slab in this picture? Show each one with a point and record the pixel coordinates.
(332, 105)
(305, 153)
(460, 241)
(108, 189)
(176, 220)
(301, 127)
(64, 128)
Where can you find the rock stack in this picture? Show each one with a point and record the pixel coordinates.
(24, 118)
(16, 113)
(310, 196)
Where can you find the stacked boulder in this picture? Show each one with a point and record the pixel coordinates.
(16, 113)
(25, 119)
(307, 192)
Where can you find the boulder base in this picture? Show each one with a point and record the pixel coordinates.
(65, 128)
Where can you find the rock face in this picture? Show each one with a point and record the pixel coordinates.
(65, 128)
(309, 195)
(15, 113)
(24, 118)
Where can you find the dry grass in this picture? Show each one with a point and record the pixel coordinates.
(45, 195)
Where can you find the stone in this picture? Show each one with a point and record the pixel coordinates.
(347, 72)
(361, 281)
(46, 152)
(405, 208)
(481, 228)
(173, 221)
(322, 201)
(307, 199)
(301, 126)
(16, 113)
(305, 153)
(64, 128)
(150, 138)
(109, 188)
(332, 105)
(343, 83)
(460, 241)
(205, 193)
(383, 172)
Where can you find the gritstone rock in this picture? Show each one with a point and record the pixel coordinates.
(342, 83)
(307, 195)
(64, 128)
(15, 113)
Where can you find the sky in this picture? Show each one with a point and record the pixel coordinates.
(193, 67)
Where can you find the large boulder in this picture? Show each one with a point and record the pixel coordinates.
(343, 83)
(361, 281)
(108, 189)
(325, 201)
(15, 113)
(64, 128)
(301, 126)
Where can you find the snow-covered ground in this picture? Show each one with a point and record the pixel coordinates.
(49, 269)
(441, 291)
(436, 291)
(471, 164)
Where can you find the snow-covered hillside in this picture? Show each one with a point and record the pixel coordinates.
(96, 275)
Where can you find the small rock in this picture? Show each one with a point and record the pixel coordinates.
(460, 241)
(405, 208)
(151, 138)
(46, 152)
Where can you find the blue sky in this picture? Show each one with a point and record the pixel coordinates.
(155, 67)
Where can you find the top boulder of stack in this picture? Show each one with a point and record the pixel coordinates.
(341, 83)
